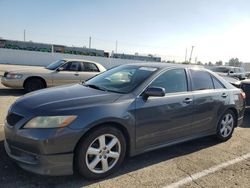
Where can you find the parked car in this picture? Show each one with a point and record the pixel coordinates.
(91, 127)
(242, 84)
(65, 71)
(245, 86)
(237, 72)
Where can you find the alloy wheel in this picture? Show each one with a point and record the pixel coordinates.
(227, 125)
(103, 153)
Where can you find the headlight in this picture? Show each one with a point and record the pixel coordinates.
(49, 122)
(14, 76)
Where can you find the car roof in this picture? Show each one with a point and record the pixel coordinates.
(88, 61)
(165, 65)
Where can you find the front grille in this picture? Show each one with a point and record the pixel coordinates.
(13, 119)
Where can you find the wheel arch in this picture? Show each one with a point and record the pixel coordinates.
(233, 109)
(36, 77)
(116, 125)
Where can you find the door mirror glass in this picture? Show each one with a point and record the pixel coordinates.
(154, 92)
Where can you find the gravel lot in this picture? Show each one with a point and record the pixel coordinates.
(159, 168)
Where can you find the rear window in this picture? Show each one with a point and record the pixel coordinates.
(217, 83)
(220, 69)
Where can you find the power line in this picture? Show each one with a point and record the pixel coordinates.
(191, 53)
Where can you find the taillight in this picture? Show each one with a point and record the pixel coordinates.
(243, 95)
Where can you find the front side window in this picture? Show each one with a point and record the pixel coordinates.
(172, 81)
(201, 80)
(122, 79)
(72, 66)
(236, 70)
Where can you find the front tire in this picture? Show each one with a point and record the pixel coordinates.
(226, 126)
(100, 153)
(33, 84)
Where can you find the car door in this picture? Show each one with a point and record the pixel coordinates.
(210, 97)
(88, 71)
(67, 73)
(163, 119)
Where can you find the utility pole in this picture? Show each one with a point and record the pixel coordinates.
(186, 55)
(116, 46)
(191, 53)
(89, 42)
(24, 33)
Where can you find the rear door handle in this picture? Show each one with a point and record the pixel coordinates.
(187, 100)
(76, 74)
(224, 95)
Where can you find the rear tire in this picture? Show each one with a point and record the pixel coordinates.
(226, 126)
(100, 153)
(33, 84)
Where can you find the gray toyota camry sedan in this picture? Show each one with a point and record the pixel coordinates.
(127, 110)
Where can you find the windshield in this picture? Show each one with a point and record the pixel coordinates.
(55, 64)
(123, 79)
(220, 69)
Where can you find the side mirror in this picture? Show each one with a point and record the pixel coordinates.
(60, 69)
(154, 92)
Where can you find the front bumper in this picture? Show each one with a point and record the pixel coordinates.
(13, 83)
(56, 165)
(42, 151)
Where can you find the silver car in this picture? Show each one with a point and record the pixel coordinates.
(65, 71)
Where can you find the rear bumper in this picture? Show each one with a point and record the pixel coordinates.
(55, 165)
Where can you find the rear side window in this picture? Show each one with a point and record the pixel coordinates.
(90, 67)
(172, 81)
(217, 84)
(201, 80)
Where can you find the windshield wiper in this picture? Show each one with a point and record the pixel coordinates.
(95, 87)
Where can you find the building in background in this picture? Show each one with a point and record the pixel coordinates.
(136, 57)
(42, 47)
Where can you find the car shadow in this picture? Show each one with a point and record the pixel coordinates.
(11, 173)
(6, 92)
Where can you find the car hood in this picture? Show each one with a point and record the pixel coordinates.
(62, 99)
(32, 69)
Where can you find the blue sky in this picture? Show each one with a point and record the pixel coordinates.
(219, 29)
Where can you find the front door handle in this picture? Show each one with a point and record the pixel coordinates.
(76, 74)
(187, 100)
(224, 95)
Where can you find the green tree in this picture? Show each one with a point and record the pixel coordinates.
(234, 62)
